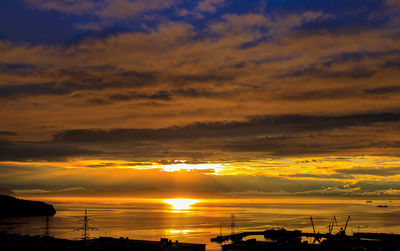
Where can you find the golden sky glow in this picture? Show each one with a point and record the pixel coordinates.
(324, 175)
(207, 98)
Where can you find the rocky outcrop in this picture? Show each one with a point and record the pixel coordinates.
(13, 207)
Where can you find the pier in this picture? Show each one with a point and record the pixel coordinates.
(268, 234)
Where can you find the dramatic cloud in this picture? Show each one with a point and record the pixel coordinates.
(245, 90)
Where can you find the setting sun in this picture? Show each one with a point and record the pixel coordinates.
(181, 204)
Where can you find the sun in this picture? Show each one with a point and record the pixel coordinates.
(181, 204)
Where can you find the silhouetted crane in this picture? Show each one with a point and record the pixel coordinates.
(347, 223)
(332, 223)
(316, 235)
(312, 224)
(342, 232)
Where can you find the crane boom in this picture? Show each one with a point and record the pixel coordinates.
(347, 222)
(332, 223)
(312, 224)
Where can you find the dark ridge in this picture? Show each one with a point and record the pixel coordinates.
(13, 207)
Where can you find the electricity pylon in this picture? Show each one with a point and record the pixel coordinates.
(85, 227)
(46, 229)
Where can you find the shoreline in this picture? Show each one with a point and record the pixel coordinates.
(36, 243)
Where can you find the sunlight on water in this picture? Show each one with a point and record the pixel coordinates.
(199, 220)
(181, 204)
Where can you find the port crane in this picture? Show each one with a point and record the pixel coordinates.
(317, 237)
(347, 223)
(342, 231)
(332, 223)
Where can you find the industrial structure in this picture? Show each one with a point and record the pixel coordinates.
(282, 239)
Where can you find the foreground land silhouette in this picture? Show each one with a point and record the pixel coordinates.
(11, 242)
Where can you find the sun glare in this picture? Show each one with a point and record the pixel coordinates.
(207, 168)
(181, 204)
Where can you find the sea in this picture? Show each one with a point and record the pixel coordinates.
(152, 219)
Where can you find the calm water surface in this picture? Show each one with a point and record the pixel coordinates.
(151, 219)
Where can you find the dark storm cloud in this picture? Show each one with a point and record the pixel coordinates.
(12, 151)
(381, 171)
(263, 125)
(289, 135)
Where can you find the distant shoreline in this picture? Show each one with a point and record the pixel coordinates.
(14, 207)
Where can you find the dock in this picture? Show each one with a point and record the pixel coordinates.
(268, 234)
(283, 239)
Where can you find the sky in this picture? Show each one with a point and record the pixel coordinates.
(207, 98)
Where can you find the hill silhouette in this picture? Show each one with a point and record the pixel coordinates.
(14, 207)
